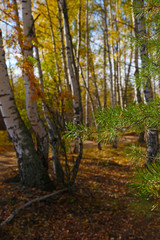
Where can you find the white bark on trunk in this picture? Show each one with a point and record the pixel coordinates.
(31, 169)
(31, 105)
(54, 46)
(111, 62)
(104, 57)
(87, 67)
(52, 133)
(63, 48)
(78, 37)
(75, 86)
(94, 80)
(152, 132)
(136, 58)
(18, 26)
(127, 75)
(138, 96)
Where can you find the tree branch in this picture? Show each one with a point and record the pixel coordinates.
(7, 23)
(16, 211)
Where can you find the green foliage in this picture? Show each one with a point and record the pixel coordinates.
(114, 122)
(31, 60)
(73, 131)
(146, 187)
(137, 154)
(108, 123)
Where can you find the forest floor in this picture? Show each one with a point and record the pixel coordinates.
(99, 208)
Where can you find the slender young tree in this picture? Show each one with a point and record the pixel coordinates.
(75, 85)
(63, 48)
(109, 49)
(127, 75)
(87, 65)
(79, 29)
(105, 56)
(54, 46)
(136, 73)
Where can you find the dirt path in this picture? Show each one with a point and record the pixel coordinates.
(7, 160)
(8, 156)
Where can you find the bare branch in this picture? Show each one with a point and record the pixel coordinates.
(16, 211)
(7, 23)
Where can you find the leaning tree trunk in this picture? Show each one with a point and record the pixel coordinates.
(53, 132)
(31, 169)
(74, 79)
(30, 84)
(18, 26)
(152, 132)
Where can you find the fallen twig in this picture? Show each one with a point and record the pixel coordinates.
(16, 211)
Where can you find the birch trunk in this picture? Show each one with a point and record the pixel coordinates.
(94, 79)
(18, 26)
(52, 133)
(136, 73)
(54, 46)
(30, 88)
(111, 63)
(78, 37)
(75, 86)
(63, 49)
(31, 169)
(117, 52)
(87, 67)
(127, 75)
(59, 175)
(152, 132)
(105, 56)
(72, 69)
(57, 64)
(136, 56)
(88, 92)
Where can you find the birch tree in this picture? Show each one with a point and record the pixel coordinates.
(31, 169)
(30, 83)
(105, 56)
(87, 66)
(152, 132)
(137, 73)
(63, 49)
(75, 85)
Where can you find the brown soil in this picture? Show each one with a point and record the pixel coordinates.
(7, 161)
(99, 208)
